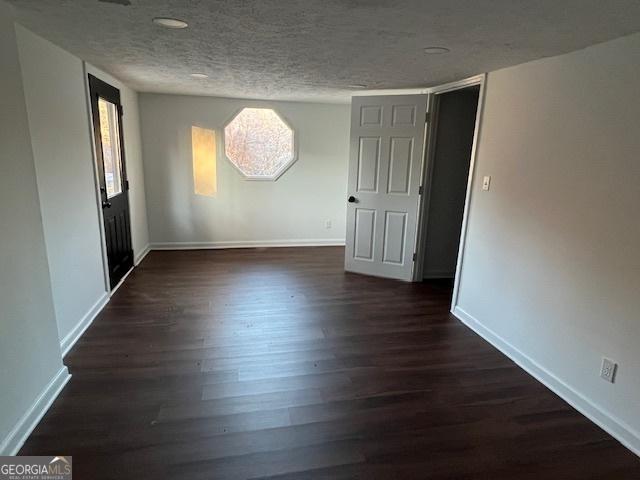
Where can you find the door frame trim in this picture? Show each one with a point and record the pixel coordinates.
(426, 175)
(96, 179)
(89, 71)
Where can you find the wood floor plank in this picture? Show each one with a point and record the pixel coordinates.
(275, 363)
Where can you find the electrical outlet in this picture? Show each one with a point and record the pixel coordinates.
(327, 224)
(608, 370)
(486, 182)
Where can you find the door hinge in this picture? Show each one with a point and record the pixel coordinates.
(420, 190)
(426, 117)
(121, 110)
(415, 257)
(126, 185)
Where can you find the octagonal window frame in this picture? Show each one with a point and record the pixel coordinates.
(284, 168)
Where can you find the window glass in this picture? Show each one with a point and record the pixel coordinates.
(203, 144)
(110, 140)
(259, 143)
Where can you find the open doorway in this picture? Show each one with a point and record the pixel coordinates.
(449, 155)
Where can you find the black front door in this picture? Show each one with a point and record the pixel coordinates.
(107, 127)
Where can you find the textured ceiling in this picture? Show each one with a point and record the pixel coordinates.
(314, 49)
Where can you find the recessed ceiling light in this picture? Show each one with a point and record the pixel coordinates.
(357, 85)
(199, 75)
(170, 22)
(436, 50)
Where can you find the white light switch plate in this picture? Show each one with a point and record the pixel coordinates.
(486, 182)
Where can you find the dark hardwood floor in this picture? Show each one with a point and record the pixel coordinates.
(275, 363)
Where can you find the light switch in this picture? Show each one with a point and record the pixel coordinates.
(486, 182)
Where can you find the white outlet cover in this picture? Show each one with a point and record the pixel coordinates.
(486, 182)
(608, 370)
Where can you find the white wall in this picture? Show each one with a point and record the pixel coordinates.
(551, 268)
(292, 209)
(54, 83)
(30, 359)
(60, 136)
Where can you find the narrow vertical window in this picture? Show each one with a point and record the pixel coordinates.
(110, 138)
(203, 144)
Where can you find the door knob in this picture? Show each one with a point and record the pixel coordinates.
(106, 204)
(351, 199)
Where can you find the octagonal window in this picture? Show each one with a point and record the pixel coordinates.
(259, 143)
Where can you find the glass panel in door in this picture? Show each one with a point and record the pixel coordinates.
(110, 140)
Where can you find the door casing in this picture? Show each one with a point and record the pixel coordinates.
(92, 80)
(427, 163)
(479, 80)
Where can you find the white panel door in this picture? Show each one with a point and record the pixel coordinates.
(387, 148)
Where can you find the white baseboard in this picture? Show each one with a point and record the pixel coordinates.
(72, 337)
(615, 427)
(140, 256)
(248, 244)
(28, 422)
